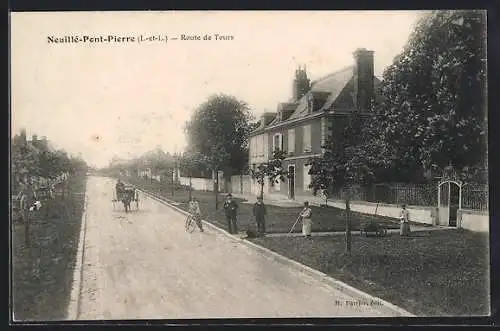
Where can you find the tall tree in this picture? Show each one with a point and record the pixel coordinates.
(222, 121)
(218, 130)
(433, 105)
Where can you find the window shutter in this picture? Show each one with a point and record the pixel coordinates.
(307, 138)
(307, 178)
(291, 140)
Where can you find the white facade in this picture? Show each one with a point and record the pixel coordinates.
(259, 154)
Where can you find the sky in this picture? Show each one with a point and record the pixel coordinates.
(106, 100)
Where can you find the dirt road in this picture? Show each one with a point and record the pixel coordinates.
(144, 265)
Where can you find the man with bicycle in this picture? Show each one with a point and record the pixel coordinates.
(194, 210)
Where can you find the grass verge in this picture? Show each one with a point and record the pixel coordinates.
(42, 272)
(431, 273)
(279, 219)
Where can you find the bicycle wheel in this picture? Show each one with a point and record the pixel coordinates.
(190, 224)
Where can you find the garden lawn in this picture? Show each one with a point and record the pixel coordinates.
(431, 273)
(279, 219)
(42, 272)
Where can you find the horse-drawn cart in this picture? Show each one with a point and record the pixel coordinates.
(127, 195)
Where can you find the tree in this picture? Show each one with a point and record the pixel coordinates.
(272, 170)
(433, 101)
(221, 121)
(350, 158)
(24, 159)
(190, 162)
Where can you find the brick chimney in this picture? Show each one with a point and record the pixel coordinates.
(301, 84)
(363, 78)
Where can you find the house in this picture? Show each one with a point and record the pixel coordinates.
(315, 113)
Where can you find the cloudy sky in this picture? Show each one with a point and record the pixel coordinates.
(136, 96)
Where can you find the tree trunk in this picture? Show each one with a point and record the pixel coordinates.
(216, 190)
(173, 186)
(27, 240)
(347, 225)
(190, 187)
(241, 183)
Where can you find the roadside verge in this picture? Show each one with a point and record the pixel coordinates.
(355, 293)
(74, 303)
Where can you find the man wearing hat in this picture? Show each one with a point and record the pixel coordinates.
(259, 212)
(231, 209)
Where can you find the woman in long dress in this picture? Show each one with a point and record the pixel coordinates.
(404, 217)
(306, 215)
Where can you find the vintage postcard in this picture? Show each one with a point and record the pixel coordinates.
(248, 164)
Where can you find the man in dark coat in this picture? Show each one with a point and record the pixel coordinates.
(231, 209)
(259, 211)
(120, 187)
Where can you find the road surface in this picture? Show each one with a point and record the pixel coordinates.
(143, 265)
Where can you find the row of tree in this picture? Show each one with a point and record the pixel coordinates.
(36, 159)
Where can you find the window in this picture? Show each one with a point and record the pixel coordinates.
(291, 140)
(307, 178)
(278, 141)
(307, 138)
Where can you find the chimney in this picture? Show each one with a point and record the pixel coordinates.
(301, 84)
(363, 78)
(23, 135)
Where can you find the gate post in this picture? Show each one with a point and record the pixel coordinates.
(439, 205)
(459, 212)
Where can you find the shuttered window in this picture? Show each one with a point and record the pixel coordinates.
(291, 141)
(307, 138)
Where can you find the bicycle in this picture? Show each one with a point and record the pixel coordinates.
(190, 224)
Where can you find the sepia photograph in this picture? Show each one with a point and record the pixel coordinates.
(180, 165)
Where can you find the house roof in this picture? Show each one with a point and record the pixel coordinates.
(332, 83)
(326, 90)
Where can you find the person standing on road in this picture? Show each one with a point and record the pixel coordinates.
(231, 209)
(404, 216)
(306, 215)
(120, 187)
(194, 209)
(259, 212)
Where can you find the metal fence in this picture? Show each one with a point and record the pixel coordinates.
(474, 197)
